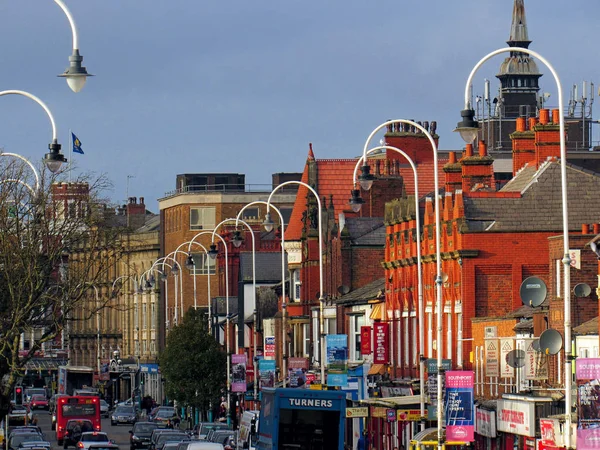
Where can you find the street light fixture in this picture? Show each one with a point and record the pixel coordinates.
(237, 239)
(268, 222)
(568, 373)
(356, 201)
(366, 178)
(468, 127)
(213, 252)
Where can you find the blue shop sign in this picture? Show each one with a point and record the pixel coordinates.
(149, 368)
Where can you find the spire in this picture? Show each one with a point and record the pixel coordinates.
(519, 37)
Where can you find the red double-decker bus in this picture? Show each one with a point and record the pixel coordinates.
(76, 407)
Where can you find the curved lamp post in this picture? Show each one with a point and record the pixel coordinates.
(178, 272)
(54, 158)
(269, 226)
(283, 299)
(75, 74)
(114, 293)
(175, 270)
(468, 129)
(355, 201)
(163, 275)
(190, 264)
(33, 169)
(438, 278)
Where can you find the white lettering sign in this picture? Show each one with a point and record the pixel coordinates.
(492, 358)
(311, 402)
(516, 417)
(506, 346)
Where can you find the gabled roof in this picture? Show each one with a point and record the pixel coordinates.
(268, 267)
(539, 207)
(589, 327)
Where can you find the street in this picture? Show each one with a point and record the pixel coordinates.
(119, 434)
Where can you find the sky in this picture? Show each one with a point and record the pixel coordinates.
(195, 86)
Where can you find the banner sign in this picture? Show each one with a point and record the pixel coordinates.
(587, 372)
(382, 343)
(516, 417)
(238, 373)
(536, 363)
(269, 347)
(266, 369)
(365, 340)
(506, 346)
(492, 358)
(337, 359)
(485, 422)
(432, 371)
(460, 406)
(297, 368)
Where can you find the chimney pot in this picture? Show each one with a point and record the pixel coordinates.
(452, 157)
(555, 116)
(468, 150)
(521, 124)
(532, 122)
(141, 200)
(482, 148)
(585, 229)
(544, 116)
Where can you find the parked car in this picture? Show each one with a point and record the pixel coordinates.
(124, 414)
(104, 408)
(74, 429)
(38, 401)
(92, 437)
(164, 414)
(17, 439)
(139, 435)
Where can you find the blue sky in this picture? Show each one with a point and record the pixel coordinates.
(244, 86)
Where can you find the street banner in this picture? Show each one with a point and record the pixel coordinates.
(269, 347)
(382, 339)
(337, 359)
(365, 341)
(297, 368)
(460, 406)
(492, 358)
(506, 346)
(536, 363)
(587, 372)
(238, 373)
(266, 369)
(432, 371)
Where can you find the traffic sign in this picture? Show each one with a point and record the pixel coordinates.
(357, 412)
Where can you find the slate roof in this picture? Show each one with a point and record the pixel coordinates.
(152, 224)
(372, 291)
(589, 327)
(525, 325)
(366, 230)
(539, 208)
(268, 267)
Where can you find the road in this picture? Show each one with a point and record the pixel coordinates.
(119, 434)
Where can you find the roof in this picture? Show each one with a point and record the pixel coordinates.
(366, 230)
(539, 206)
(587, 328)
(371, 291)
(524, 326)
(152, 224)
(522, 312)
(268, 266)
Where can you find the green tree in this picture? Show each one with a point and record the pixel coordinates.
(193, 363)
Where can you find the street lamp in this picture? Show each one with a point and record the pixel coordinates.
(321, 298)
(438, 260)
(565, 219)
(190, 265)
(283, 299)
(54, 158)
(35, 172)
(419, 262)
(75, 74)
(165, 276)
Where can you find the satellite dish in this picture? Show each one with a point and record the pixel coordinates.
(536, 345)
(516, 358)
(533, 291)
(582, 290)
(343, 289)
(550, 342)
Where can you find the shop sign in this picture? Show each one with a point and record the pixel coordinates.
(390, 415)
(378, 412)
(269, 347)
(516, 417)
(351, 413)
(381, 351)
(587, 372)
(506, 346)
(408, 415)
(550, 433)
(536, 363)
(485, 422)
(460, 406)
(365, 341)
(492, 358)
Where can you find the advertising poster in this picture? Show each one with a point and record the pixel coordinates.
(460, 406)
(365, 340)
(266, 369)
(536, 363)
(269, 347)
(337, 360)
(432, 371)
(381, 352)
(297, 368)
(506, 346)
(516, 417)
(587, 372)
(492, 358)
(238, 373)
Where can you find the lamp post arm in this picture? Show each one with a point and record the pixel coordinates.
(21, 182)
(71, 22)
(25, 160)
(39, 102)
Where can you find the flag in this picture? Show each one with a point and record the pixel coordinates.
(76, 144)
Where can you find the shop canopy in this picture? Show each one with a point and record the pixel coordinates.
(393, 402)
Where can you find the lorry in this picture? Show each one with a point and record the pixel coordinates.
(301, 419)
(74, 377)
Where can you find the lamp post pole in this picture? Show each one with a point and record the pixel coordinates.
(321, 297)
(568, 374)
(353, 202)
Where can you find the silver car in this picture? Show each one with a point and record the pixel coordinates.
(92, 437)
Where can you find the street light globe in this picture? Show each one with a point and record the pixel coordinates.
(356, 200)
(175, 269)
(189, 262)
(54, 158)
(468, 127)
(268, 222)
(366, 179)
(213, 252)
(76, 74)
(75, 82)
(237, 239)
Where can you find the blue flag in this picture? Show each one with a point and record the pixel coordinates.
(76, 144)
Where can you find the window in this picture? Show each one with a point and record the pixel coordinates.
(144, 316)
(203, 264)
(297, 285)
(250, 214)
(356, 323)
(330, 325)
(202, 218)
(153, 318)
(306, 339)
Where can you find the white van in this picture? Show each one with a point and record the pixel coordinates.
(248, 430)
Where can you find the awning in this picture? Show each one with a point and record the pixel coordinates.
(378, 312)
(377, 369)
(393, 402)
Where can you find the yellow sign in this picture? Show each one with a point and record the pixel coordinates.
(316, 387)
(357, 412)
(408, 415)
(378, 411)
